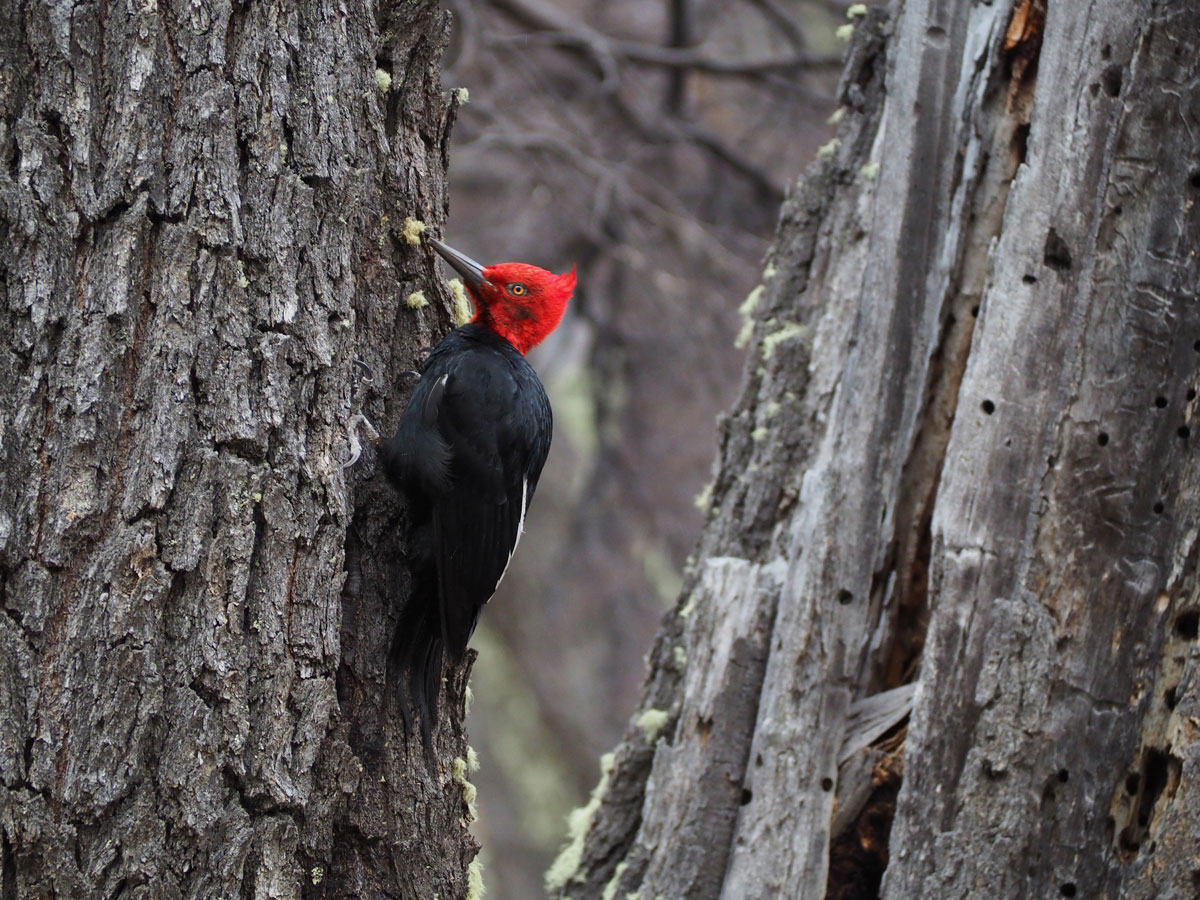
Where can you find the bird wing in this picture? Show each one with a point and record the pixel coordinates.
(496, 421)
(418, 458)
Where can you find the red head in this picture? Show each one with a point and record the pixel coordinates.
(519, 302)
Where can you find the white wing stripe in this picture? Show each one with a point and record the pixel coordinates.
(520, 531)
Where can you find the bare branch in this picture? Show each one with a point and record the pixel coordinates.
(680, 37)
(691, 59)
(558, 29)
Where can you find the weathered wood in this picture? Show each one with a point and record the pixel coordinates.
(1057, 706)
(1022, 482)
(699, 769)
(202, 213)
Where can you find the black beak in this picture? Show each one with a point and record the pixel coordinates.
(471, 271)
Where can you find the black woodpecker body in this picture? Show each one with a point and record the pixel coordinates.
(467, 454)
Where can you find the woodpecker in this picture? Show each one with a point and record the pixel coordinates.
(467, 453)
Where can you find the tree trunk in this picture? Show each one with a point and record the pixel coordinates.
(962, 463)
(204, 227)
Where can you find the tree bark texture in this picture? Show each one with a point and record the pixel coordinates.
(963, 459)
(204, 210)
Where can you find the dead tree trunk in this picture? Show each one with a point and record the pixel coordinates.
(963, 462)
(203, 228)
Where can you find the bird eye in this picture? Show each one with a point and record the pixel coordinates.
(517, 289)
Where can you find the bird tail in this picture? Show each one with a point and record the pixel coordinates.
(416, 661)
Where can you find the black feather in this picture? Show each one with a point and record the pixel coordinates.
(468, 453)
(416, 658)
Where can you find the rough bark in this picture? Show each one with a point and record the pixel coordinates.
(963, 451)
(202, 223)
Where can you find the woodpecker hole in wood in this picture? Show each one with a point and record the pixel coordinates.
(1056, 254)
(1187, 624)
(1112, 80)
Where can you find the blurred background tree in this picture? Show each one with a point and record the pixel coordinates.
(652, 143)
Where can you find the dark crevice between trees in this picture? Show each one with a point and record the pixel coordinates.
(858, 856)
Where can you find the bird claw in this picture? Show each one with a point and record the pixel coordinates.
(369, 375)
(356, 421)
